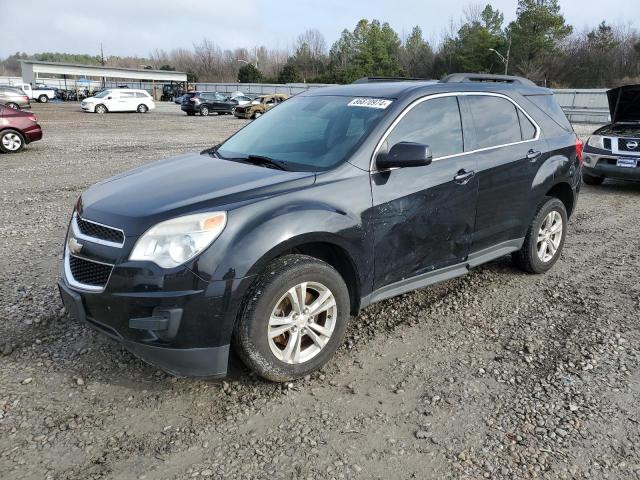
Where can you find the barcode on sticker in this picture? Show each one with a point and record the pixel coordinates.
(370, 102)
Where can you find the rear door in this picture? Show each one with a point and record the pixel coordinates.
(423, 217)
(508, 150)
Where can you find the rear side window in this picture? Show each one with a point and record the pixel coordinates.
(142, 95)
(496, 121)
(433, 122)
(549, 105)
(526, 127)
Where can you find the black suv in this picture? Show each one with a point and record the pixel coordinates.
(206, 103)
(613, 151)
(340, 197)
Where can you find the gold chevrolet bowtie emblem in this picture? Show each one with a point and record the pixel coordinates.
(74, 245)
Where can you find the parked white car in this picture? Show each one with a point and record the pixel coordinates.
(119, 100)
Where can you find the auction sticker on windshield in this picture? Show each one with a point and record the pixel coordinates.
(370, 102)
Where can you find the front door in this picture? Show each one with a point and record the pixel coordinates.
(423, 217)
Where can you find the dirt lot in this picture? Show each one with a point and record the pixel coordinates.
(495, 375)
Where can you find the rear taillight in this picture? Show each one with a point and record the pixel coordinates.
(193, 99)
(25, 98)
(579, 147)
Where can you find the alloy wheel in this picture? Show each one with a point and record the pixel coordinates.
(302, 322)
(11, 141)
(13, 105)
(549, 236)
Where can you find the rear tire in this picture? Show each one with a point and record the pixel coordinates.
(283, 299)
(142, 108)
(191, 114)
(11, 141)
(43, 99)
(101, 109)
(545, 237)
(13, 105)
(591, 180)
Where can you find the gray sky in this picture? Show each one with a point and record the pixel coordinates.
(136, 27)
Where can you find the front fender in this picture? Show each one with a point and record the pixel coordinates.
(261, 232)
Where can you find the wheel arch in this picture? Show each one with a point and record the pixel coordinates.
(325, 248)
(563, 192)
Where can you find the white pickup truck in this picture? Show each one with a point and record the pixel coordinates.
(41, 94)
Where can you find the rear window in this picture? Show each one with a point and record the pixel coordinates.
(549, 105)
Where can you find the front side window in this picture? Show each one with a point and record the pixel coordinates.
(434, 122)
(496, 121)
(308, 133)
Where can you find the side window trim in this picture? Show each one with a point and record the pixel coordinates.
(418, 101)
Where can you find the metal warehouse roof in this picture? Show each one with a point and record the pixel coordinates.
(31, 69)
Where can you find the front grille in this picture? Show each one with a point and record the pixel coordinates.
(102, 232)
(623, 145)
(88, 272)
(607, 143)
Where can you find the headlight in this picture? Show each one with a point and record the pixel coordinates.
(596, 141)
(176, 241)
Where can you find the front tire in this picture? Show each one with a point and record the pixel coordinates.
(11, 141)
(101, 109)
(43, 99)
(545, 237)
(591, 180)
(204, 111)
(293, 318)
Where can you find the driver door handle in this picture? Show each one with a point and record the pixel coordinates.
(462, 177)
(533, 155)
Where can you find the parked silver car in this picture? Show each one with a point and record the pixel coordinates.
(13, 97)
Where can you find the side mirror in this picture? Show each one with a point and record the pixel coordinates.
(405, 154)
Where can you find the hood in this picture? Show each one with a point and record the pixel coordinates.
(140, 198)
(624, 103)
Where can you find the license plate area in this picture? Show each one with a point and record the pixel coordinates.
(627, 162)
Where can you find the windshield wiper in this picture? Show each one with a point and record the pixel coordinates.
(211, 150)
(265, 161)
(259, 160)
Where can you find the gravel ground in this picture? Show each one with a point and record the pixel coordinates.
(494, 375)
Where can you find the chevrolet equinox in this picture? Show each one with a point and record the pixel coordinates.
(338, 198)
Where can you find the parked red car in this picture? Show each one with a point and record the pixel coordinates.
(17, 128)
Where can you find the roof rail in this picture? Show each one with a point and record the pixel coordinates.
(486, 77)
(389, 79)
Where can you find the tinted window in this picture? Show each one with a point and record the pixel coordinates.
(127, 94)
(526, 127)
(496, 121)
(433, 122)
(549, 105)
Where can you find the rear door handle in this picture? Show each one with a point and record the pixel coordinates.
(533, 155)
(462, 177)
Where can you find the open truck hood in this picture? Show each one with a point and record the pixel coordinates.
(624, 103)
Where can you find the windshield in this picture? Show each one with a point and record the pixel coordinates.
(103, 94)
(306, 133)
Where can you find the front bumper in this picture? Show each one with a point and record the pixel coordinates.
(173, 320)
(605, 165)
(193, 362)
